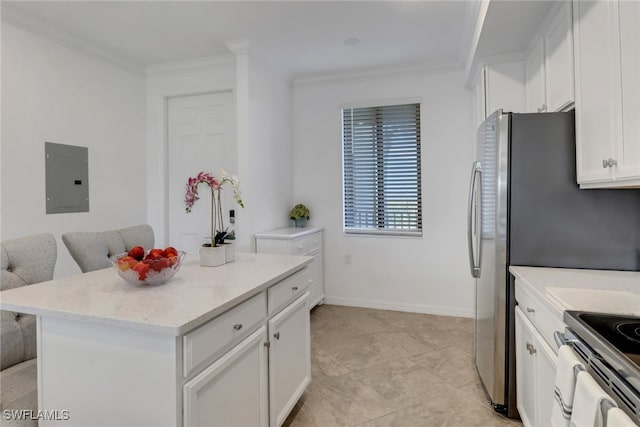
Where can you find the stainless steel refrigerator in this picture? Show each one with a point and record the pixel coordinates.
(525, 208)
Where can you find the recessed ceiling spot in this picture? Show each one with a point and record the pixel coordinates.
(352, 41)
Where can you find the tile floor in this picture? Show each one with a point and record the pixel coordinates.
(379, 368)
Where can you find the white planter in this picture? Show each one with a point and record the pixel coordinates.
(229, 252)
(212, 256)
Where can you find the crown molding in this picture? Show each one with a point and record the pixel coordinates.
(378, 72)
(190, 65)
(248, 47)
(12, 16)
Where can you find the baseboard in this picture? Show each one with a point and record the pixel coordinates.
(411, 308)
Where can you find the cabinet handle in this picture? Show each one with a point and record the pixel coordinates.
(544, 108)
(295, 288)
(531, 348)
(237, 326)
(277, 335)
(609, 163)
(531, 310)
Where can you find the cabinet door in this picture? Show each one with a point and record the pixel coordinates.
(525, 370)
(505, 87)
(233, 390)
(546, 370)
(558, 47)
(598, 92)
(534, 68)
(628, 154)
(289, 359)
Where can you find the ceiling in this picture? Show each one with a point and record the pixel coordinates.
(302, 37)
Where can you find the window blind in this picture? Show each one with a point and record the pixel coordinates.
(381, 167)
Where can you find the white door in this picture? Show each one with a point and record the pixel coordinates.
(232, 392)
(525, 370)
(201, 137)
(289, 359)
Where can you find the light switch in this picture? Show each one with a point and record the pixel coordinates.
(67, 178)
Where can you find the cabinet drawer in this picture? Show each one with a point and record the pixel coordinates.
(314, 242)
(535, 311)
(212, 337)
(299, 246)
(287, 290)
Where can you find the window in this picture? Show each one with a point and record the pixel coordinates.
(381, 168)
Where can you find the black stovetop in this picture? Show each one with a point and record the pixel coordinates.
(615, 337)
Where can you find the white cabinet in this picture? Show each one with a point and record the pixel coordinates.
(525, 369)
(535, 374)
(298, 241)
(289, 358)
(233, 390)
(558, 49)
(505, 87)
(607, 77)
(536, 359)
(549, 65)
(534, 69)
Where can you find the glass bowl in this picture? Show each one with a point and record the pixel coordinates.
(147, 272)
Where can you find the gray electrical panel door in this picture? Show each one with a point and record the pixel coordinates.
(67, 178)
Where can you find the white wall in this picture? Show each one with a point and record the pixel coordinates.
(264, 146)
(425, 274)
(171, 80)
(57, 94)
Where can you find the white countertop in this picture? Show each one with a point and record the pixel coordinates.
(192, 297)
(288, 233)
(615, 292)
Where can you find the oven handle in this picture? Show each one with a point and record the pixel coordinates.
(559, 338)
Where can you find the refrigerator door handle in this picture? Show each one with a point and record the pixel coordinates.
(475, 172)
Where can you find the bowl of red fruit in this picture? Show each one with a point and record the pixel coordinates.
(152, 267)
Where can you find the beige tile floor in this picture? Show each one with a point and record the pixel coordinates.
(379, 368)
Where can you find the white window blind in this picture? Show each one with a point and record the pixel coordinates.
(382, 174)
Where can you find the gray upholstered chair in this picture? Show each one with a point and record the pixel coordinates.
(25, 261)
(91, 250)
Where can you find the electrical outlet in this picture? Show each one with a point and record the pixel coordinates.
(347, 259)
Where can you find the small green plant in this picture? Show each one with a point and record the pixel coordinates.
(299, 211)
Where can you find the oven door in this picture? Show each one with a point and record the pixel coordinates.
(626, 396)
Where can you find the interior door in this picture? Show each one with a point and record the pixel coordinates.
(201, 137)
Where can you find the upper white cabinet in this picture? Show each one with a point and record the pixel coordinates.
(504, 87)
(499, 86)
(549, 65)
(534, 69)
(607, 77)
(558, 49)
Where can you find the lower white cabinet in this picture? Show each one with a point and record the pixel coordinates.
(289, 358)
(233, 390)
(535, 374)
(259, 380)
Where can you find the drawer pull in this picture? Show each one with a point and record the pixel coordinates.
(531, 348)
(277, 335)
(530, 310)
(237, 326)
(295, 288)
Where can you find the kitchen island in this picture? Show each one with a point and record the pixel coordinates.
(213, 346)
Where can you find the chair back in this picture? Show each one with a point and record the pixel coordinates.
(25, 261)
(91, 250)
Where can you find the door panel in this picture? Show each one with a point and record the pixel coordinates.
(201, 137)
